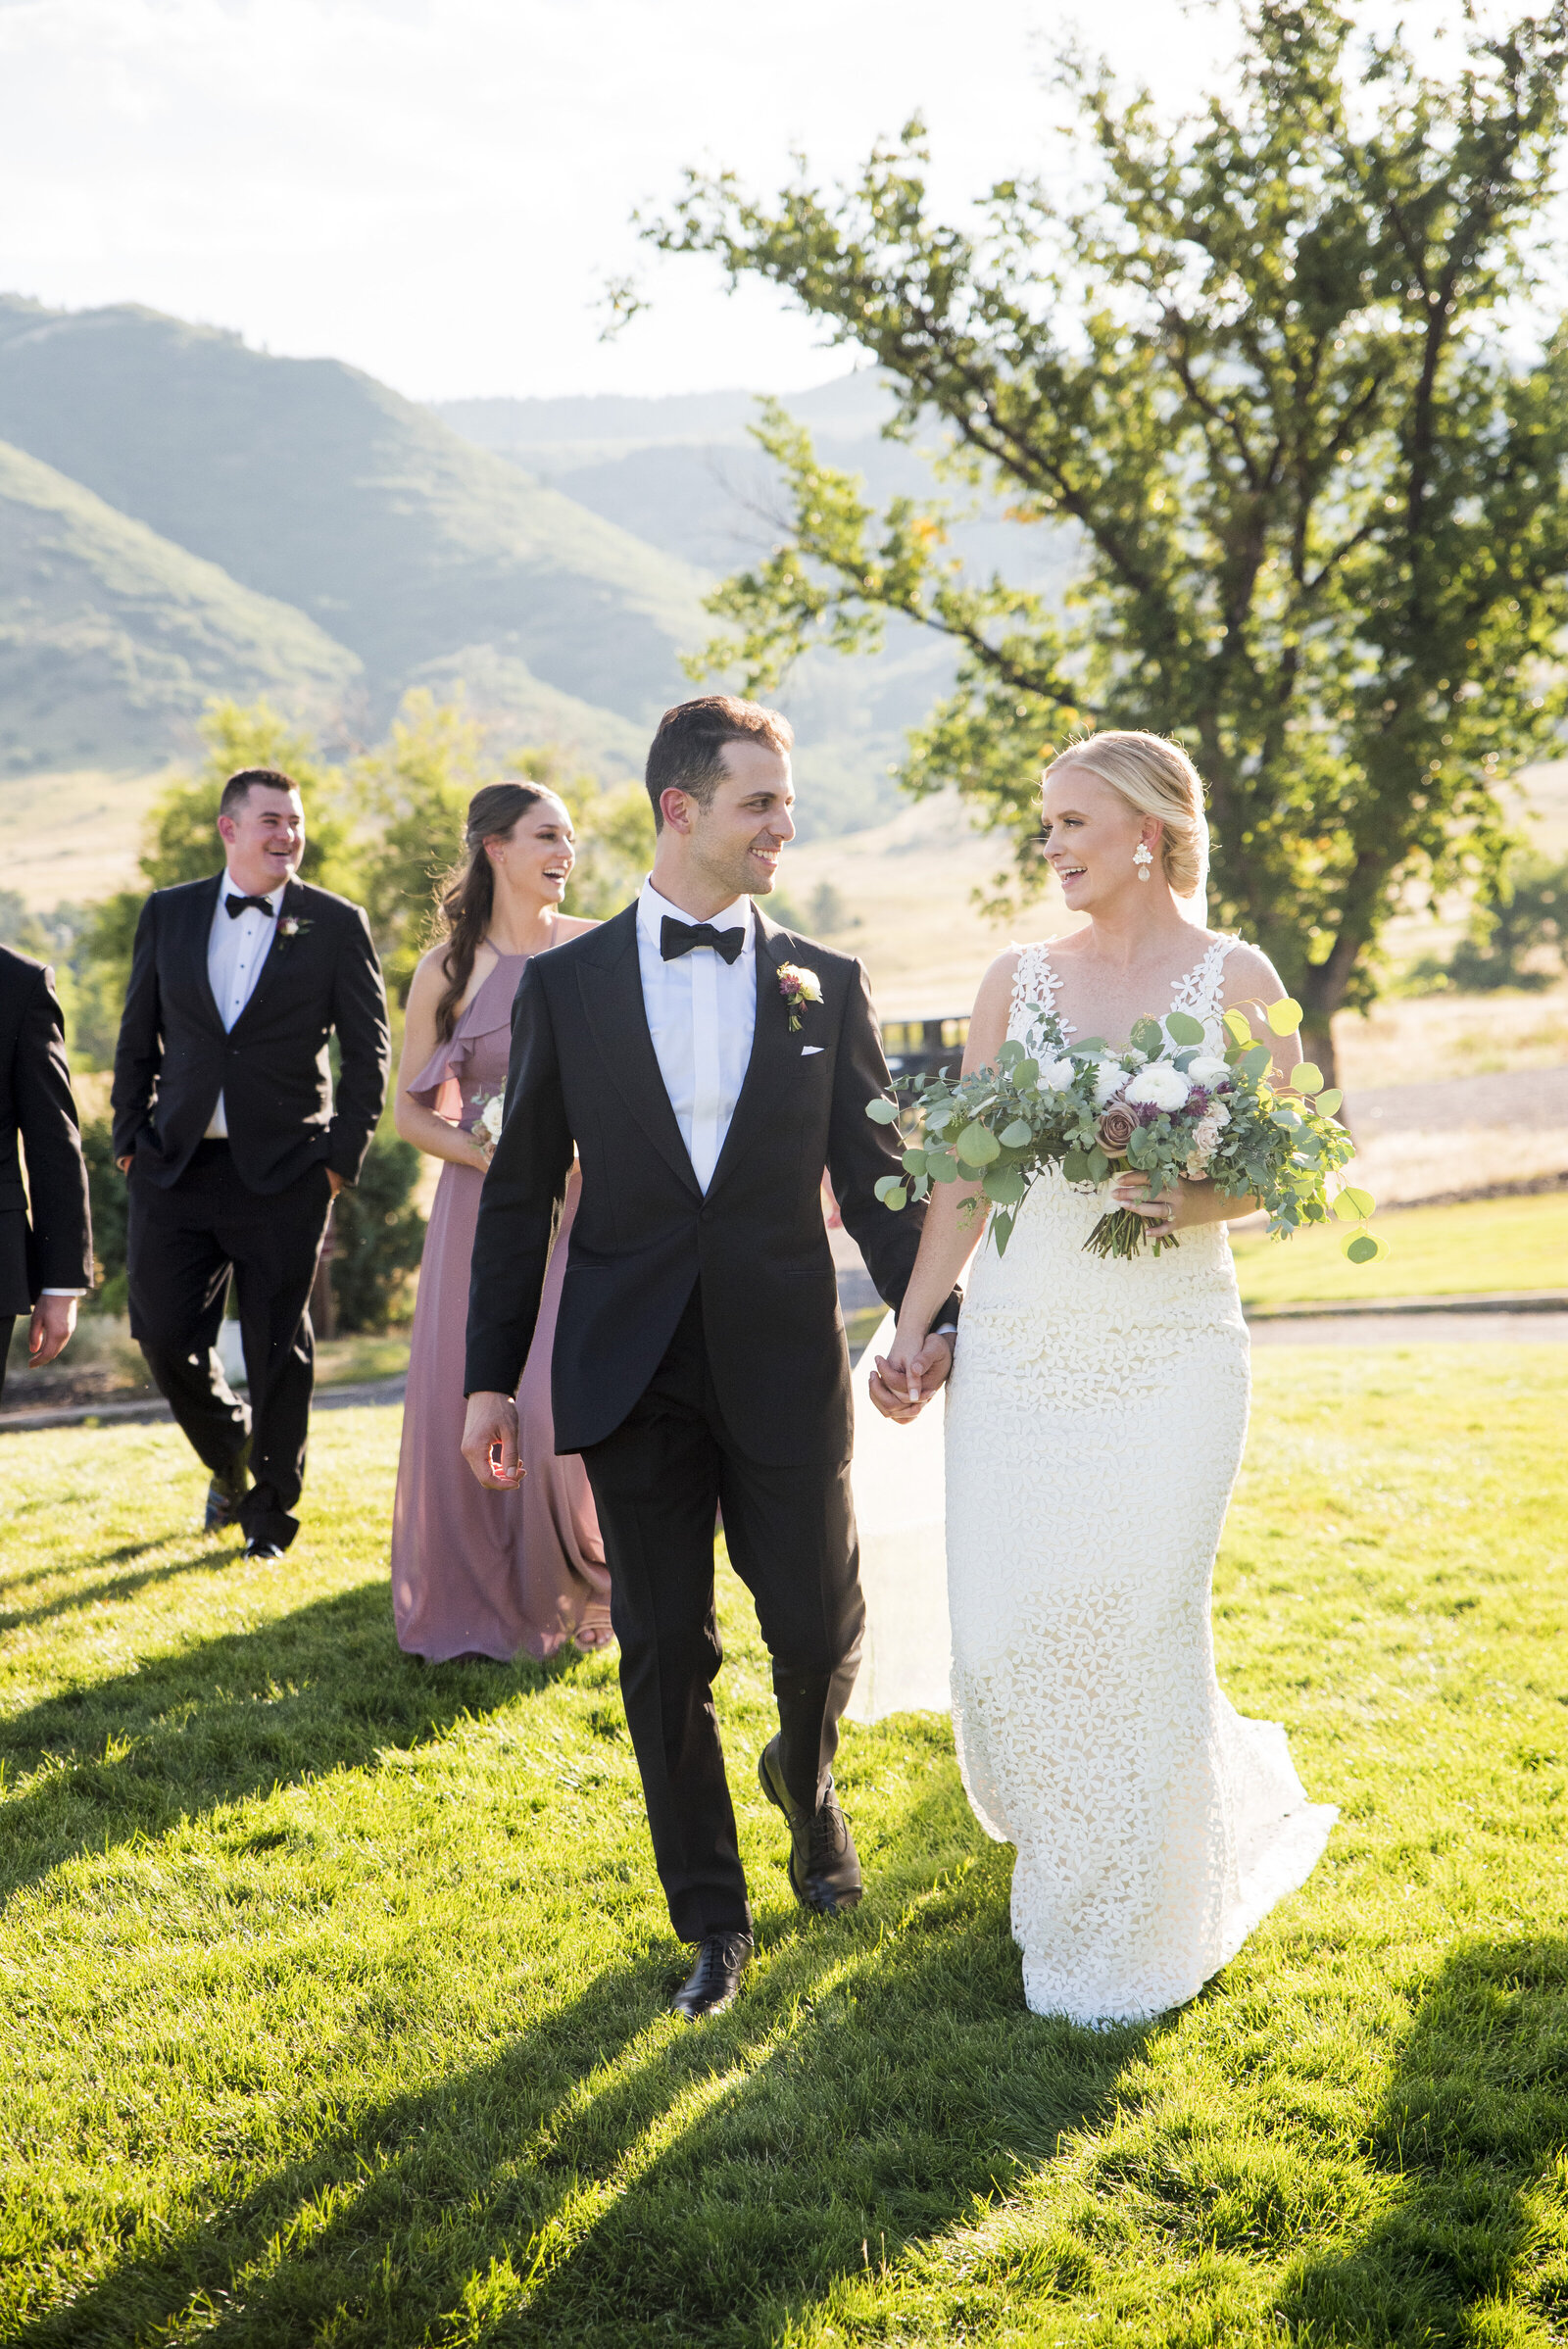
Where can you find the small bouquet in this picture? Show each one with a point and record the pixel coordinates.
(1166, 1106)
(487, 1125)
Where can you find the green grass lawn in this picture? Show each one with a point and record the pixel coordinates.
(1475, 1246)
(333, 1987)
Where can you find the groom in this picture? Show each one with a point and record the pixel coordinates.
(706, 1065)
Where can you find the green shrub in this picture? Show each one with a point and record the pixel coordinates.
(110, 1197)
(378, 1237)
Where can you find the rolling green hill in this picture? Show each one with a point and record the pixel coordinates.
(112, 640)
(312, 483)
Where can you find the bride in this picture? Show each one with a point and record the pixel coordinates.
(1094, 1423)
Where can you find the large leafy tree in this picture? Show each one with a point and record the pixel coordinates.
(1281, 375)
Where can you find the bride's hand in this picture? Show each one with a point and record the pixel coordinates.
(1172, 1212)
(907, 1376)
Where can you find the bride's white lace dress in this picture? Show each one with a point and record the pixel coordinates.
(1095, 1424)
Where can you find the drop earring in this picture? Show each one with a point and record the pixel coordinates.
(1143, 860)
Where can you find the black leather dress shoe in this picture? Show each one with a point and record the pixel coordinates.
(257, 1547)
(223, 1496)
(721, 1960)
(824, 1865)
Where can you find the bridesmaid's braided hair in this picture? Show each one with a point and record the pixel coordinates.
(468, 894)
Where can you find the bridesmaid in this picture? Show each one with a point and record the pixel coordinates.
(479, 1574)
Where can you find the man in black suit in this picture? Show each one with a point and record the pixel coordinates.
(226, 1125)
(707, 1066)
(45, 1258)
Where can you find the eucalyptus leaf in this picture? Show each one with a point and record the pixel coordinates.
(1147, 1037)
(1285, 1018)
(1018, 1135)
(914, 1161)
(882, 1112)
(978, 1145)
(942, 1166)
(1075, 1166)
(889, 1191)
(1182, 1028)
(1255, 1059)
(1004, 1186)
(1361, 1249)
(1099, 1165)
(1308, 1077)
(1361, 1202)
(1327, 1103)
(1237, 1027)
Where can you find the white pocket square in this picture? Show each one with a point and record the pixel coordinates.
(807, 1049)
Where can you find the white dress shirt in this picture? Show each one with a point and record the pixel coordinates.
(237, 944)
(701, 1016)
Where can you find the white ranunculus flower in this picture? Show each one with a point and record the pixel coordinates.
(1056, 1075)
(1205, 1070)
(1160, 1084)
(1109, 1079)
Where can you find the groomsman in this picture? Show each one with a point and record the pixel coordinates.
(45, 1255)
(226, 1124)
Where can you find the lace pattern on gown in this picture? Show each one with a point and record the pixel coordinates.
(1096, 1419)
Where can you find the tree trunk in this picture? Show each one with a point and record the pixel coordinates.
(1317, 1044)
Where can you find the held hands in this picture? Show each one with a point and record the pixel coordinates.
(490, 1442)
(909, 1374)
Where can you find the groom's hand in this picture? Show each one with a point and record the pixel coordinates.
(490, 1442)
(906, 1377)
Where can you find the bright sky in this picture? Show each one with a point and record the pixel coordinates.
(437, 190)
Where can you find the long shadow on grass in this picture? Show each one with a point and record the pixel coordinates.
(319, 1690)
(616, 2178)
(1475, 2113)
(121, 1586)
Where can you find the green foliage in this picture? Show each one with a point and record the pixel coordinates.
(19, 928)
(245, 2093)
(410, 798)
(1260, 373)
(378, 1236)
(615, 828)
(1519, 918)
(108, 1198)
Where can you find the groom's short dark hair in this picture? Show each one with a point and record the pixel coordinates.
(237, 790)
(687, 752)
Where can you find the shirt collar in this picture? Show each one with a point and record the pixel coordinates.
(273, 897)
(651, 910)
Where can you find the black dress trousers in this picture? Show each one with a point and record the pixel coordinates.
(657, 1483)
(8, 1322)
(182, 1243)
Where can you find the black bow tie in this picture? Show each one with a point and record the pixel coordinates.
(236, 905)
(679, 937)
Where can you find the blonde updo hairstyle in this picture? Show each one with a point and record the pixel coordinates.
(1155, 777)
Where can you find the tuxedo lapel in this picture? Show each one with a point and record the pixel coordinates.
(201, 905)
(774, 1050)
(278, 952)
(611, 983)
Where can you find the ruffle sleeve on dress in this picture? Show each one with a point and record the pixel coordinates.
(449, 1063)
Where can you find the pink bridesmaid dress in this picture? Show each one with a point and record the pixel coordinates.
(476, 1572)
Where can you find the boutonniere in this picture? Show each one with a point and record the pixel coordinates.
(798, 987)
(291, 926)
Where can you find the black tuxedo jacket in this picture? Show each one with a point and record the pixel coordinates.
(273, 1069)
(584, 1074)
(53, 1249)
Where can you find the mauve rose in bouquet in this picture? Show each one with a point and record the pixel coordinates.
(1168, 1107)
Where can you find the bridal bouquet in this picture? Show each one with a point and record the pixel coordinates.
(1166, 1106)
